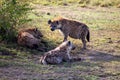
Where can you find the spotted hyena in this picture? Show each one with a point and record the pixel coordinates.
(59, 54)
(29, 38)
(74, 29)
(34, 31)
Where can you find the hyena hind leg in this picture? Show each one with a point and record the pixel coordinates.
(84, 43)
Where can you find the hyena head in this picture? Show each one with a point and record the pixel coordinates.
(36, 33)
(67, 45)
(54, 24)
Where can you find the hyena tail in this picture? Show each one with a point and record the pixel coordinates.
(88, 36)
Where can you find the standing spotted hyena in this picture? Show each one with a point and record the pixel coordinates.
(59, 54)
(74, 29)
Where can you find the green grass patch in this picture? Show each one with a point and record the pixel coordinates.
(104, 26)
(82, 3)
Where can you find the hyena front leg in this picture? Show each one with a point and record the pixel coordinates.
(67, 57)
(65, 37)
(42, 60)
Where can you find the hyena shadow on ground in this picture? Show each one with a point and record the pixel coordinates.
(95, 55)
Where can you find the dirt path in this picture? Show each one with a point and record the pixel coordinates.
(100, 62)
(94, 63)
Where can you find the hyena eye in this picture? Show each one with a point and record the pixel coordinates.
(49, 21)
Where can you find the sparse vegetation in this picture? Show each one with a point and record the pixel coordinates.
(12, 15)
(102, 3)
(100, 62)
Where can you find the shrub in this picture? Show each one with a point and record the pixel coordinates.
(13, 13)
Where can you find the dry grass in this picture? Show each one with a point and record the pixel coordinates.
(82, 3)
(100, 62)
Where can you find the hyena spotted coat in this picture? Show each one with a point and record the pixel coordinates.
(33, 31)
(74, 29)
(29, 37)
(59, 54)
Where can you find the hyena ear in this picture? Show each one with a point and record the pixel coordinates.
(69, 43)
(49, 21)
(36, 29)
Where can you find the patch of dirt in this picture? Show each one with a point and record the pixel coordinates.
(15, 73)
(7, 53)
(105, 65)
(23, 72)
(98, 55)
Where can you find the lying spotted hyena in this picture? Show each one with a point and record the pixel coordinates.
(71, 28)
(29, 37)
(59, 54)
(34, 31)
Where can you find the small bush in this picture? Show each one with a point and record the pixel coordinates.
(12, 14)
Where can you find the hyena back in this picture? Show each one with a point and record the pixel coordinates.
(74, 29)
(33, 31)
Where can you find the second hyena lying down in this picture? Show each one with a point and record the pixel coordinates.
(59, 54)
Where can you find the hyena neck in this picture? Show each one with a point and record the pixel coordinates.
(62, 27)
(63, 30)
